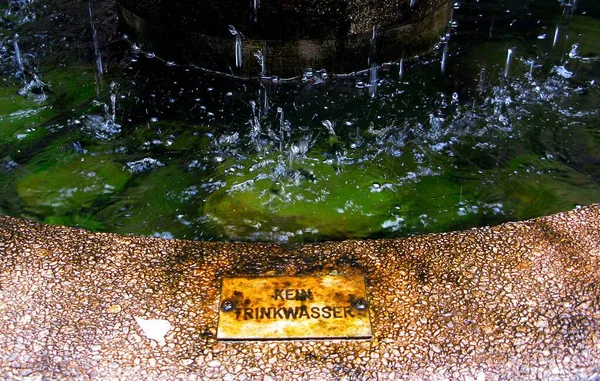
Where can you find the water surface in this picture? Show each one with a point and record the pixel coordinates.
(499, 123)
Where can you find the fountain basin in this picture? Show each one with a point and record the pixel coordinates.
(489, 128)
(337, 35)
(518, 300)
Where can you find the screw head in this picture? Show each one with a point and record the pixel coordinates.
(360, 304)
(227, 305)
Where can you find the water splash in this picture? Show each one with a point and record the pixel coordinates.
(105, 126)
(238, 46)
(373, 80)
(574, 52)
(330, 126)
(444, 58)
(35, 89)
(263, 99)
(531, 65)
(18, 60)
(480, 86)
(509, 57)
(401, 68)
(555, 36)
(260, 58)
(113, 102)
(413, 3)
(281, 128)
(255, 125)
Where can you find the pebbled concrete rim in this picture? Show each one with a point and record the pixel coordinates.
(516, 301)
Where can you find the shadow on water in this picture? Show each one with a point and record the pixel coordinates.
(498, 123)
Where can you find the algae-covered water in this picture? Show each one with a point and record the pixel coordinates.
(499, 123)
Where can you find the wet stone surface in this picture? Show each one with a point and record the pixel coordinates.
(516, 301)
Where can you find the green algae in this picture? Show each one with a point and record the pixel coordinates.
(24, 119)
(360, 200)
(553, 186)
(20, 117)
(585, 31)
(151, 203)
(169, 136)
(83, 220)
(63, 186)
(70, 86)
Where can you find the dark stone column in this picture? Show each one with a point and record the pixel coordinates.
(292, 35)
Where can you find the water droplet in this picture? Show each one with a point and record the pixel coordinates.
(307, 75)
(574, 53)
(444, 57)
(508, 61)
(401, 68)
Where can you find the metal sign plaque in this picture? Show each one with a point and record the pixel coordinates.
(285, 308)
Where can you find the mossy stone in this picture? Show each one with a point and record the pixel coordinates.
(70, 86)
(585, 31)
(358, 201)
(60, 188)
(24, 119)
(151, 203)
(20, 117)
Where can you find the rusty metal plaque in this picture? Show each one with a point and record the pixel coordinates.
(287, 308)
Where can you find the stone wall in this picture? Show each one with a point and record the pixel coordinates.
(292, 35)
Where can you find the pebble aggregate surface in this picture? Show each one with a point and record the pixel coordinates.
(515, 301)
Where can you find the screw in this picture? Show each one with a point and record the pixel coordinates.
(227, 305)
(360, 304)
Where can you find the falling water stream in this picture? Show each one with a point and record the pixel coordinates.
(17, 53)
(99, 132)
